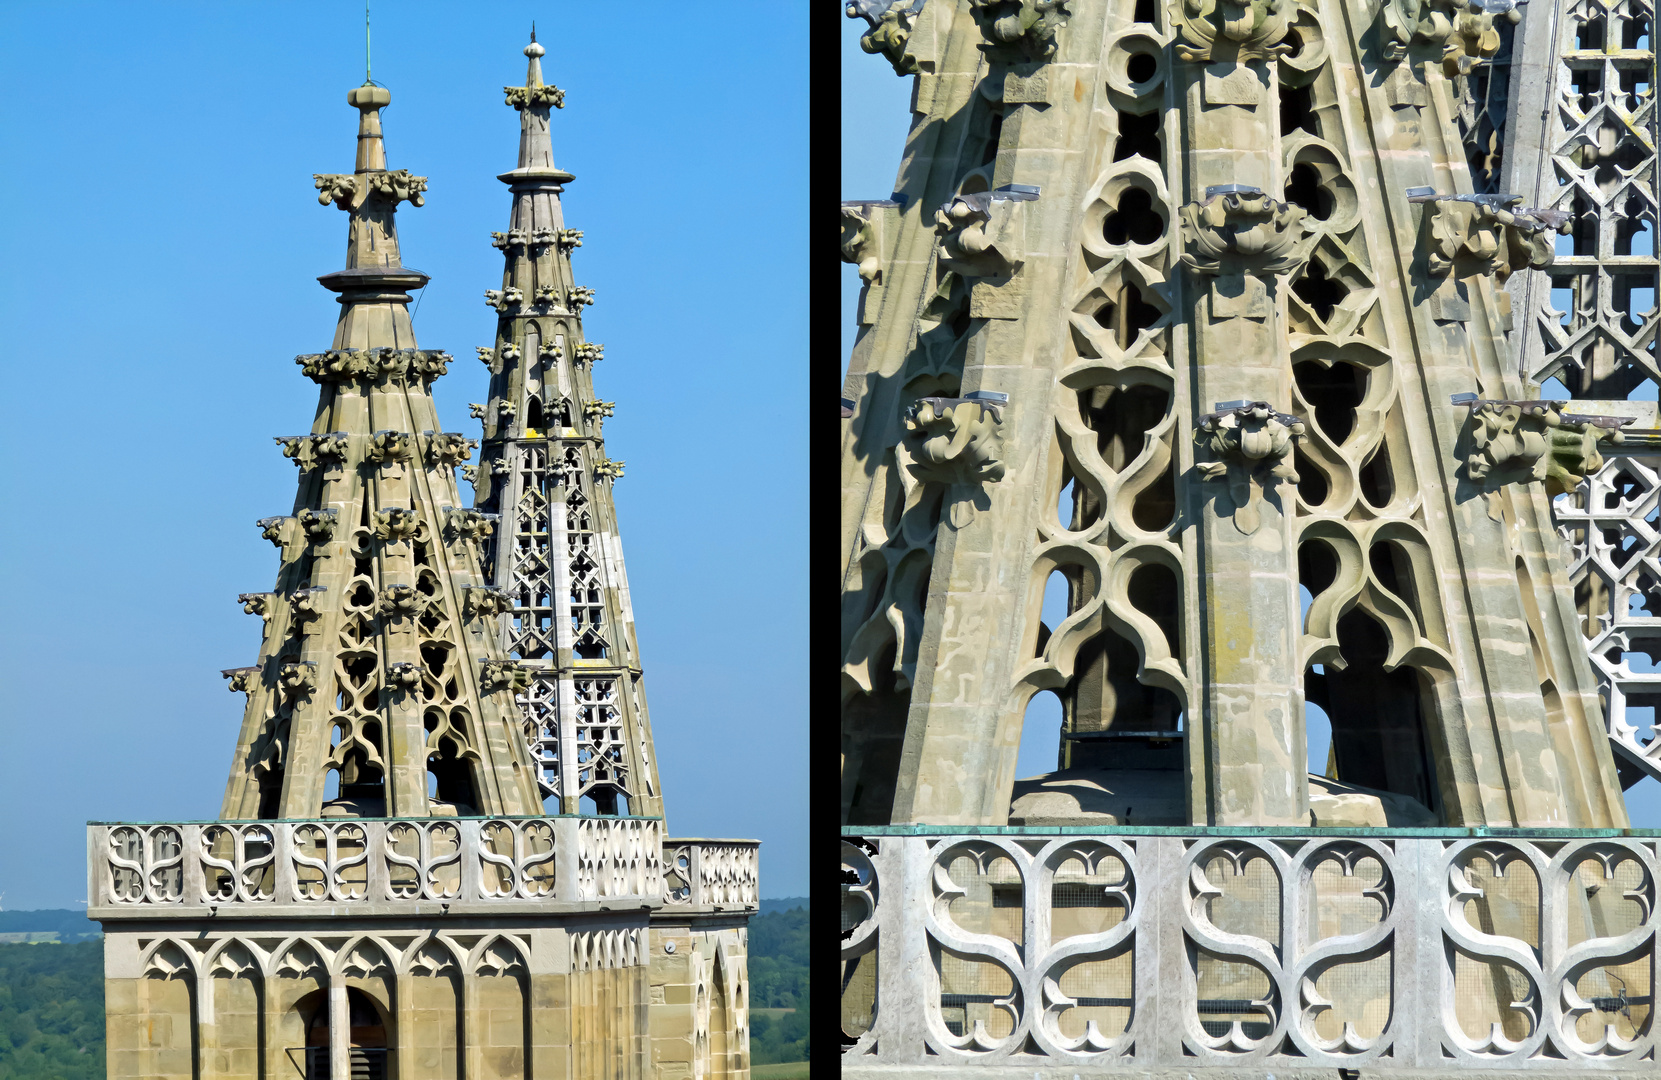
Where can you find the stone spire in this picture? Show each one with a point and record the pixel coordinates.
(379, 689)
(544, 469)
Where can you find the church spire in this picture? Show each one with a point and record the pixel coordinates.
(379, 688)
(543, 468)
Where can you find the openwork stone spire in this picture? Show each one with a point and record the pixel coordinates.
(544, 469)
(379, 689)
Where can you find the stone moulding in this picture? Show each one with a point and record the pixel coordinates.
(379, 867)
(1239, 931)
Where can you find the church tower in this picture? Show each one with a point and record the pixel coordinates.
(403, 881)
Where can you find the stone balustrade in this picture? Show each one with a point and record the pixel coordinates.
(713, 873)
(1249, 952)
(373, 866)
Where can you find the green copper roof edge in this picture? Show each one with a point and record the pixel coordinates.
(1248, 831)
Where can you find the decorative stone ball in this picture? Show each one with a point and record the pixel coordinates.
(534, 50)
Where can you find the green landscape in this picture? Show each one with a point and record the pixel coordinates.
(52, 994)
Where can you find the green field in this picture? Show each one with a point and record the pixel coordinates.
(794, 1070)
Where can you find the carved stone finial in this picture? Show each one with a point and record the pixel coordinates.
(1253, 445)
(298, 679)
(1241, 240)
(1457, 33)
(273, 529)
(463, 524)
(1519, 442)
(980, 235)
(1238, 30)
(483, 602)
(1488, 235)
(891, 23)
(449, 448)
(396, 525)
(955, 441)
(390, 446)
(1019, 30)
(523, 97)
(319, 524)
(400, 602)
(241, 678)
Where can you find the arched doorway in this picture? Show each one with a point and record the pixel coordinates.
(367, 1037)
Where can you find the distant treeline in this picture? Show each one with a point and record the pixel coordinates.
(52, 996)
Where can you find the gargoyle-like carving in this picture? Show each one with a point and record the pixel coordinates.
(487, 357)
(546, 294)
(550, 350)
(589, 352)
(542, 237)
(570, 238)
(310, 451)
(241, 678)
(521, 97)
(396, 524)
(390, 446)
(502, 299)
(298, 679)
(256, 603)
(464, 524)
(337, 365)
(1458, 32)
(955, 440)
(476, 409)
(273, 529)
(404, 675)
(1253, 445)
(497, 675)
(449, 448)
(429, 364)
(1486, 234)
(511, 238)
(597, 410)
(508, 410)
(470, 473)
(401, 602)
(509, 351)
(308, 603)
(345, 365)
(484, 601)
(1518, 442)
(980, 234)
(319, 524)
(500, 467)
(862, 238)
(578, 296)
(1238, 30)
(1241, 239)
(891, 23)
(351, 192)
(608, 469)
(1019, 30)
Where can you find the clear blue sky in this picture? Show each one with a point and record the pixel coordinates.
(159, 248)
(875, 121)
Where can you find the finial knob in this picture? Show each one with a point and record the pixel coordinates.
(368, 97)
(534, 50)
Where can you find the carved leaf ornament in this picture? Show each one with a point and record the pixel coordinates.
(1230, 30)
(1242, 231)
(1253, 446)
(1525, 441)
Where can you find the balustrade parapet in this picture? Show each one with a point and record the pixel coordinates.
(711, 875)
(373, 867)
(1224, 951)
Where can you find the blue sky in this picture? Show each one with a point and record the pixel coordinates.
(161, 240)
(875, 121)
